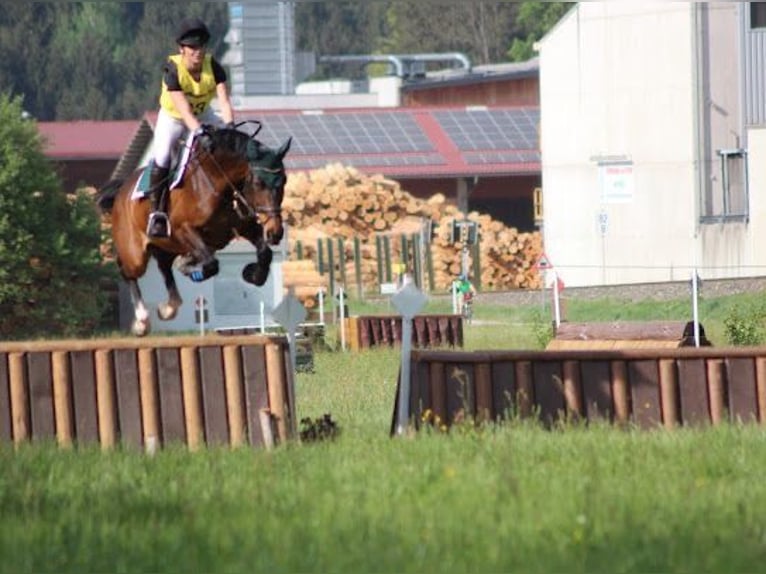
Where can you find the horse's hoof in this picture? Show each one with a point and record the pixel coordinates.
(166, 312)
(253, 273)
(140, 328)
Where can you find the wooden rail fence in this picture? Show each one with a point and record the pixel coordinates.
(365, 331)
(645, 387)
(148, 392)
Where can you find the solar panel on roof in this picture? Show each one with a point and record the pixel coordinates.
(490, 129)
(347, 133)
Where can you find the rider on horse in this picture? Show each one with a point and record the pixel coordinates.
(191, 79)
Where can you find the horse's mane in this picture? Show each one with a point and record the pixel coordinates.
(242, 144)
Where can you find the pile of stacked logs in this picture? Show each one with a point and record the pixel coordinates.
(341, 202)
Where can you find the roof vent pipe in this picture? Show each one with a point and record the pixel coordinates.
(399, 60)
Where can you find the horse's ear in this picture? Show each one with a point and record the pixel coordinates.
(282, 151)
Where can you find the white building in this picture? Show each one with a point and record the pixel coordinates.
(653, 142)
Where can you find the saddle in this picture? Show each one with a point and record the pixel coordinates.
(178, 162)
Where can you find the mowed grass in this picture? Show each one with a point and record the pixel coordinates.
(494, 499)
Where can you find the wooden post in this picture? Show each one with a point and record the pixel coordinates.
(105, 393)
(150, 413)
(760, 379)
(195, 433)
(20, 421)
(572, 389)
(232, 368)
(62, 398)
(716, 379)
(669, 393)
(620, 392)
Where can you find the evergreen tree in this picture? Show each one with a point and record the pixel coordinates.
(50, 266)
(534, 20)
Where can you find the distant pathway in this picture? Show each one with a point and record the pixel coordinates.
(634, 292)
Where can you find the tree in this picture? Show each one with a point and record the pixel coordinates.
(481, 29)
(50, 266)
(534, 20)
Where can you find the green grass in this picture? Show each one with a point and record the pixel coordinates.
(495, 499)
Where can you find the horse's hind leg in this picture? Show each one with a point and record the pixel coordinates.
(141, 324)
(169, 309)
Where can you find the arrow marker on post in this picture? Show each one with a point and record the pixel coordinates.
(409, 300)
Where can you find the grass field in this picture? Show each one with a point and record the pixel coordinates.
(495, 499)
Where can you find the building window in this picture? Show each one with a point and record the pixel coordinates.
(729, 201)
(757, 15)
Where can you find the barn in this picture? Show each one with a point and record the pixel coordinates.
(652, 141)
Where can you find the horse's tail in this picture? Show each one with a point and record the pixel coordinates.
(107, 193)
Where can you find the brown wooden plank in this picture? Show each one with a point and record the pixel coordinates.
(82, 364)
(432, 327)
(743, 399)
(5, 400)
(669, 403)
(692, 389)
(483, 388)
(644, 380)
(525, 388)
(255, 389)
(437, 376)
(213, 395)
(171, 396)
(397, 330)
(441, 338)
(716, 386)
(457, 327)
(420, 390)
(549, 390)
(503, 390)
(376, 336)
(419, 332)
(575, 408)
(760, 383)
(461, 394)
(128, 396)
(41, 395)
(365, 337)
(596, 390)
(622, 330)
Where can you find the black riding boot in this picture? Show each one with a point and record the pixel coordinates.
(159, 224)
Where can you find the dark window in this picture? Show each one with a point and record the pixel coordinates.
(757, 15)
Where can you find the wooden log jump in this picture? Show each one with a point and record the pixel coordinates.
(365, 331)
(645, 387)
(626, 335)
(147, 392)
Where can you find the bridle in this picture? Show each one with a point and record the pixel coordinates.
(241, 205)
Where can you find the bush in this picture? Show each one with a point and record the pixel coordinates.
(745, 325)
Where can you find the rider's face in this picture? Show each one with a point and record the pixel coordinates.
(193, 56)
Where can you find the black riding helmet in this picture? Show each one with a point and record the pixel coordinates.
(192, 32)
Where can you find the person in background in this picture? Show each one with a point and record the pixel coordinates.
(191, 79)
(465, 291)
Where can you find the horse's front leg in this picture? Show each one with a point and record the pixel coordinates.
(257, 273)
(199, 263)
(141, 323)
(168, 310)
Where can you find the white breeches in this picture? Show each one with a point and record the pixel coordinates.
(169, 130)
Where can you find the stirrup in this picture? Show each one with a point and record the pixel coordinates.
(158, 225)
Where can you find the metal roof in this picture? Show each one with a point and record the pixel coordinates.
(395, 142)
(409, 142)
(87, 140)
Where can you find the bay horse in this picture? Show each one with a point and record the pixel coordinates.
(232, 186)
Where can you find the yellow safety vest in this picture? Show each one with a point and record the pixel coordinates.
(199, 94)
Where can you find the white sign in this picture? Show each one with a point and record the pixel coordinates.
(388, 288)
(616, 181)
(603, 222)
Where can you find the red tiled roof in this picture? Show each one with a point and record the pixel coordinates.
(87, 139)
